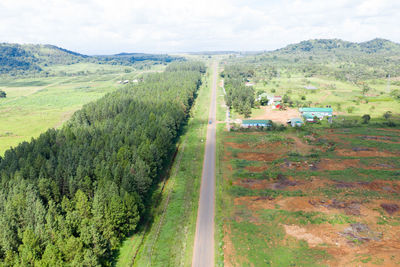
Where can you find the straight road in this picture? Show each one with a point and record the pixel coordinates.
(203, 252)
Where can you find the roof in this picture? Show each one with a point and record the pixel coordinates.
(256, 122)
(295, 120)
(315, 110)
(308, 116)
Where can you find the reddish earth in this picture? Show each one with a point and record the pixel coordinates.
(257, 156)
(256, 168)
(365, 152)
(337, 164)
(229, 249)
(345, 252)
(237, 145)
(276, 115)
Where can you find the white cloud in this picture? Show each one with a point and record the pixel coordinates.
(97, 27)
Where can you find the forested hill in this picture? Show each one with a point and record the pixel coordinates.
(343, 60)
(130, 58)
(377, 45)
(71, 195)
(17, 59)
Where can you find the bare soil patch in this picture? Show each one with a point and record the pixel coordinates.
(257, 168)
(278, 116)
(364, 152)
(300, 146)
(252, 183)
(377, 185)
(237, 145)
(253, 156)
(229, 249)
(390, 208)
(301, 233)
(347, 242)
(335, 164)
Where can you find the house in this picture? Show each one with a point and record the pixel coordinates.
(296, 122)
(309, 118)
(277, 98)
(320, 113)
(266, 96)
(277, 105)
(256, 123)
(125, 82)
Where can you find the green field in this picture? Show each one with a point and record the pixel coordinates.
(340, 95)
(36, 104)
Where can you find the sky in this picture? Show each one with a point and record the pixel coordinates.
(170, 26)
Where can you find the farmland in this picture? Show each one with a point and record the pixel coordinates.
(36, 103)
(310, 197)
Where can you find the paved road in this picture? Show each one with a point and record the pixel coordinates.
(203, 252)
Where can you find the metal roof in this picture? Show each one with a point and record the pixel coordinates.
(296, 120)
(256, 122)
(330, 110)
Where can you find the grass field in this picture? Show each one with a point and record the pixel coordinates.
(346, 98)
(169, 239)
(36, 104)
(309, 197)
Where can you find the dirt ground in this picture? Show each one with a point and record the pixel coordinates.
(276, 115)
(370, 235)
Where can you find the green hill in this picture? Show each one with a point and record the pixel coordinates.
(15, 58)
(31, 58)
(337, 46)
(344, 60)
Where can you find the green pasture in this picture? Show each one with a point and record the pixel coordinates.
(345, 97)
(34, 104)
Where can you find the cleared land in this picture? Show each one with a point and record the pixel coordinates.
(35, 104)
(311, 197)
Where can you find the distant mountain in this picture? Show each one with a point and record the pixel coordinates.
(29, 57)
(336, 45)
(19, 59)
(130, 58)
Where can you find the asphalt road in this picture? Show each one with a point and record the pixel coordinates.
(203, 252)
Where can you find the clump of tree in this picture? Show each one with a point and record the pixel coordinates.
(2, 94)
(366, 118)
(71, 195)
(238, 96)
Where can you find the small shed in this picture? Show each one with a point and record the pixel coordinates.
(256, 123)
(296, 122)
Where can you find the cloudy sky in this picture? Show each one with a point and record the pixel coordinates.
(114, 26)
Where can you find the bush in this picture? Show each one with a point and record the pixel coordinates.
(366, 118)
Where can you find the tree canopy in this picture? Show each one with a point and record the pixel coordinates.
(71, 195)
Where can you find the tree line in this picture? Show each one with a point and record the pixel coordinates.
(238, 96)
(71, 195)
